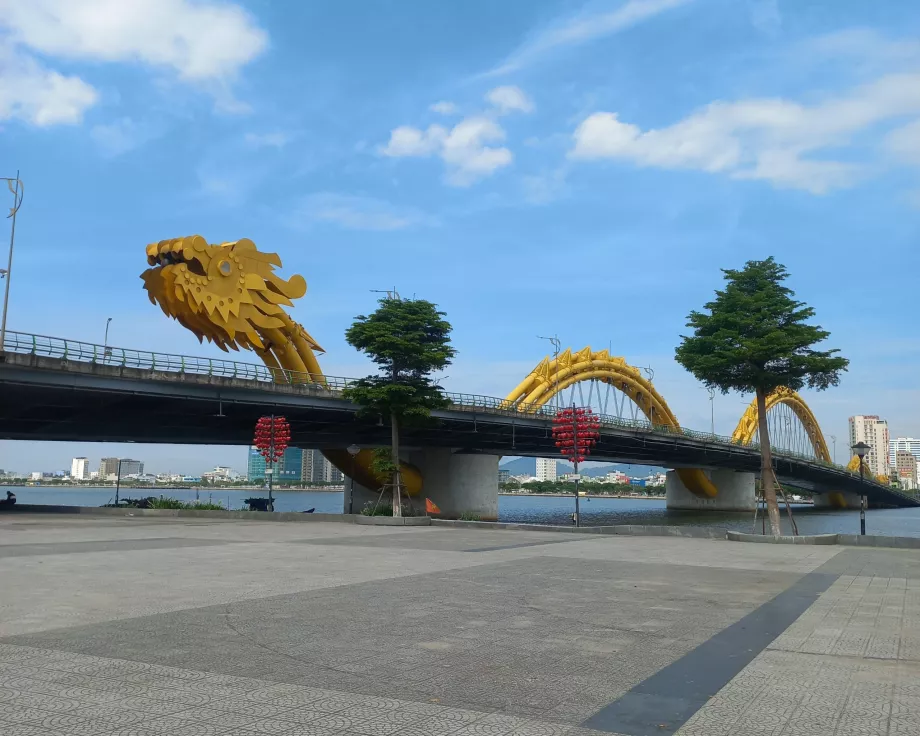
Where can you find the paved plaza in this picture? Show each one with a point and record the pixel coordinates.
(140, 626)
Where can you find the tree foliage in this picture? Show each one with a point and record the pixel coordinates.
(407, 339)
(756, 336)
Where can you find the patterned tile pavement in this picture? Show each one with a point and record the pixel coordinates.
(126, 627)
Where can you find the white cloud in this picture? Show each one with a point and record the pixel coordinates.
(357, 213)
(864, 45)
(40, 96)
(467, 155)
(267, 140)
(758, 138)
(509, 99)
(203, 42)
(198, 40)
(408, 141)
(463, 148)
(120, 136)
(765, 15)
(583, 28)
(904, 142)
(443, 108)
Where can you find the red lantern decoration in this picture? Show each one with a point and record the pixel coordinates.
(575, 431)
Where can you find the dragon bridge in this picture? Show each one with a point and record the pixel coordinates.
(610, 386)
(229, 294)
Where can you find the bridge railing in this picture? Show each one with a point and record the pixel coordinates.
(107, 355)
(84, 352)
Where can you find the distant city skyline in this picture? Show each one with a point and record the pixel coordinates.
(27, 457)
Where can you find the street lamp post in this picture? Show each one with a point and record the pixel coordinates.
(16, 188)
(353, 450)
(557, 346)
(861, 448)
(712, 411)
(117, 481)
(105, 342)
(834, 440)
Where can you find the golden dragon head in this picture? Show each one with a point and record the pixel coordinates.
(229, 294)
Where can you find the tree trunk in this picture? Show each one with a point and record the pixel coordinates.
(397, 481)
(767, 477)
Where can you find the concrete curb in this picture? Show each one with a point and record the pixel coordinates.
(801, 539)
(633, 530)
(181, 513)
(393, 520)
(851, 540)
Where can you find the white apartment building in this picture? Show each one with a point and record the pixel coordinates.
(79, 468)
(546, 469)
(903, 444)
(873, 431)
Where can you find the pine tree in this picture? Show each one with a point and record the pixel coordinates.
(407, 339)
(756, 338)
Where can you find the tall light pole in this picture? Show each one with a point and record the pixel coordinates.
(16, 188)
(712, 411)
(861, 448)
(557, 346)
(353, 450)
(834, 441)
(650, 372)
(105, 342)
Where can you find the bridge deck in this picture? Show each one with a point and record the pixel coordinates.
(51, 399)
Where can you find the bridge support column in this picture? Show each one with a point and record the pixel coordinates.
(460, 483)
(837, 500)
(736, 492)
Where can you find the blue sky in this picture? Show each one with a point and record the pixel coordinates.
(533, 167)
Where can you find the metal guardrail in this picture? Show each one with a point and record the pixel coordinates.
(83, 352)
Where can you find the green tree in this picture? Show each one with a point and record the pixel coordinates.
(756, 338)
(407, 339)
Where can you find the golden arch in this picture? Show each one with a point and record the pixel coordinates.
(550, 377)
(853, 466)
(746, 430)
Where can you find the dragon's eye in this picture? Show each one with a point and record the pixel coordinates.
(225, 267)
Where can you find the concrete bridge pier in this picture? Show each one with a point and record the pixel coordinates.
(836, 500)
(460, 483)
(736, 492)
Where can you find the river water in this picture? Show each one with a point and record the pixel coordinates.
(529, 509)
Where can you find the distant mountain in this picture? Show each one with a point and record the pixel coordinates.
(528, 466)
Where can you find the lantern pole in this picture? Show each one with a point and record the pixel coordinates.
(575, 459)
(271, 463)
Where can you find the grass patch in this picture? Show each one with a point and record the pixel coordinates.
(164, 502)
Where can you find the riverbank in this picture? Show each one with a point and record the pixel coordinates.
(634, 496)
(162, 488)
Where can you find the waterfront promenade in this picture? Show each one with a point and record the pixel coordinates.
(140, 626)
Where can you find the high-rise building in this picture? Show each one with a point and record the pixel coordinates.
(315, 468)
(131, 467)
(311, 468)
(332, 474)
(79, 468)
(546, 469)
(906, 468)
(873, 431)
(290, 467)
(504, 475)
(907, 444)
(255, 470)
(108, 466)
